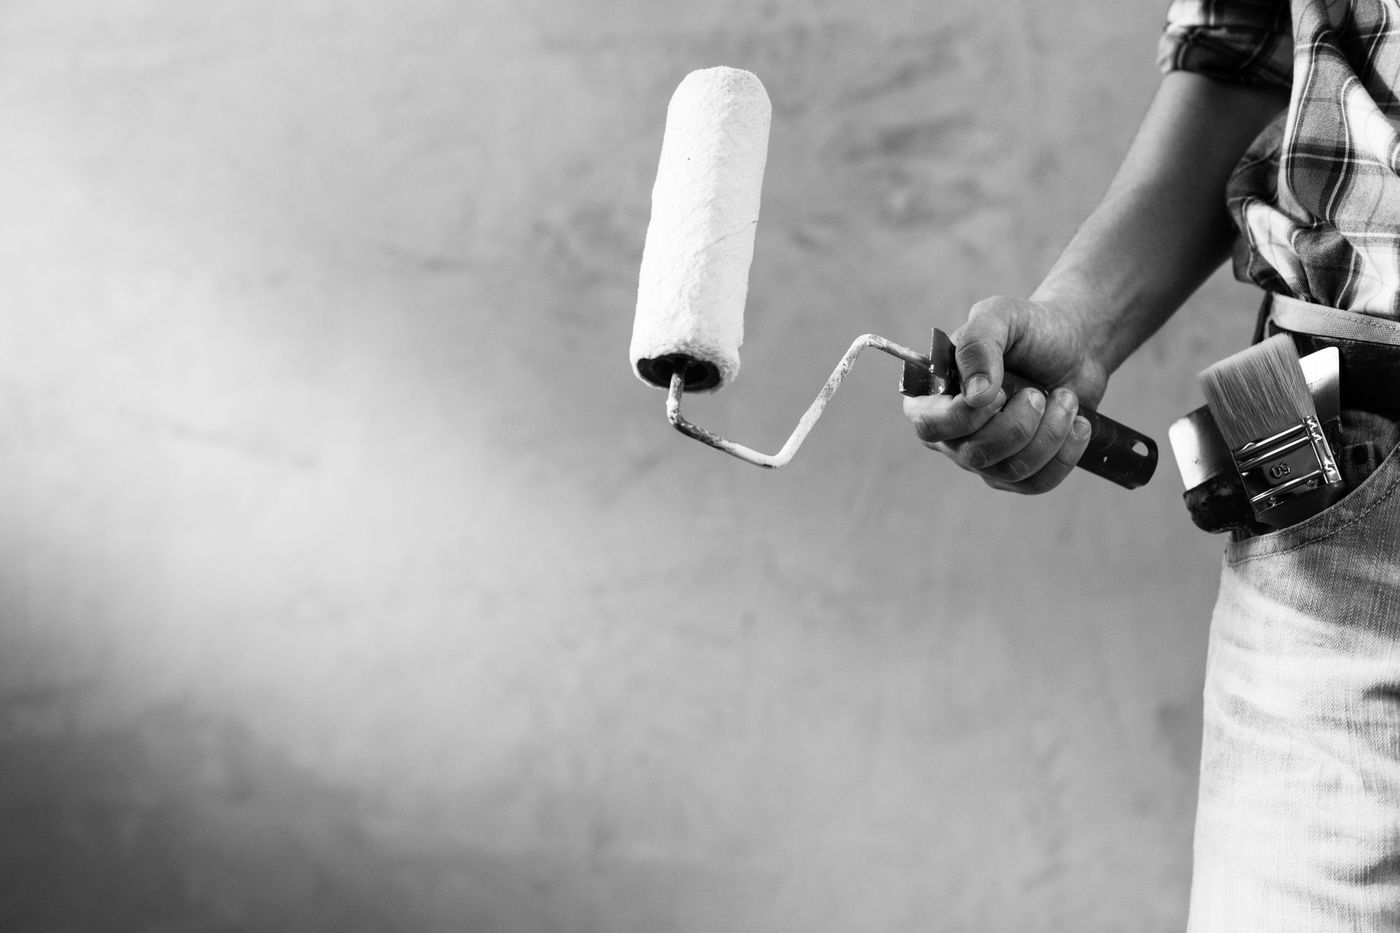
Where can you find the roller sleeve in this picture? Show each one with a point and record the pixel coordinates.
(699, 243)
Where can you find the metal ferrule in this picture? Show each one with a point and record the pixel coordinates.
(1291, 475)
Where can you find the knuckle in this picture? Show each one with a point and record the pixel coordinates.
(934, 431)
(992, 305)
(1041, 482)
(977, 341)
(1017, 468)
(1048, 478)
(1020, 488)
(1019, 432)
(975, 353)
(925, 432)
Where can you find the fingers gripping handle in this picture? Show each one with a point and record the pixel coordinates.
(1116, 452)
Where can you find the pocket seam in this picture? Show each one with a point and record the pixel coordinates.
(1322, 535)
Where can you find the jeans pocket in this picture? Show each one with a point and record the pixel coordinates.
(1366, 438)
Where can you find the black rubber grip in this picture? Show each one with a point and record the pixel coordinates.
(1116, 452)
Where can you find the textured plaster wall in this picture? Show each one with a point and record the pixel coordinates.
(349, 581)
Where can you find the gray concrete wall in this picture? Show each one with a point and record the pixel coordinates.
(349, 580)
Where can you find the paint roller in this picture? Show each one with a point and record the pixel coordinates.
(694, 279)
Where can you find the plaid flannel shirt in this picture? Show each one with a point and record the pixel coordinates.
(1317, 195)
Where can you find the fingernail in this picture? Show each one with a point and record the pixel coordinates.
(1037, 400)
(1081, 426)
(976, 386)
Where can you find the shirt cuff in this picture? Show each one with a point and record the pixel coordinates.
(1256, 53)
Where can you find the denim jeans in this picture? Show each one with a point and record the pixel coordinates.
(1298, 819)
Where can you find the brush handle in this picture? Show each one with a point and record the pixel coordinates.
(1116, 452)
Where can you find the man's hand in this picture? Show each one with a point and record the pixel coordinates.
(1030, 442)
(1160, 230)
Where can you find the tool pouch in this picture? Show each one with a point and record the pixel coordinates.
(1219, 501)
(1336, 347)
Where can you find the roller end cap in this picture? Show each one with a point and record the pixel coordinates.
(700, 375)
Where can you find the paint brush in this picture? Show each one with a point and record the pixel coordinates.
(1260, 401)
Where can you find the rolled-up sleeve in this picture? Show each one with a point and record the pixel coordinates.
(1239, 41)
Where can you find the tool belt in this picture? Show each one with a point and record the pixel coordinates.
(1370, 348)
(1369, 357)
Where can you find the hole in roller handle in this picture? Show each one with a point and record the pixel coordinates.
(1117, 452)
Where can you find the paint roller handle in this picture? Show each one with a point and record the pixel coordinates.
(1115, 451)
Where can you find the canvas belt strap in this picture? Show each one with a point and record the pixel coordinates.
(1304, 317)
(1369, 345)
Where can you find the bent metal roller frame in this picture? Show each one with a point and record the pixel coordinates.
(694, 280)
(804, 424)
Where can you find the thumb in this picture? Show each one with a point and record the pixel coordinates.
(992, 326)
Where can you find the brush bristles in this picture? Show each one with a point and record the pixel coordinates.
(1258, 392)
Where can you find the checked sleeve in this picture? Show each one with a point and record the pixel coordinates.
(1237, 41)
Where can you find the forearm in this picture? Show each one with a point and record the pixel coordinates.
(1162, 227)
